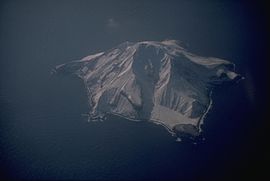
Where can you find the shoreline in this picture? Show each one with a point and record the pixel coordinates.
(201, 120)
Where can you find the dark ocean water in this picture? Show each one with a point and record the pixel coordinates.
(48, 139)
(44, 136)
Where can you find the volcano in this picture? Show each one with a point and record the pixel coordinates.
(159, 82)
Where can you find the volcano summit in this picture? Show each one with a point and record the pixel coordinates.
(160, 82)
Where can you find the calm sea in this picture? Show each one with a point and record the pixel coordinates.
(44, 136)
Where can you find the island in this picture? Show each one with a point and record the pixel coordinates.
(156, 81)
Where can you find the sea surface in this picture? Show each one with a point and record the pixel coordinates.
(43, 134)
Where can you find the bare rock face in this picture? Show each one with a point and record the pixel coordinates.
(160, 82)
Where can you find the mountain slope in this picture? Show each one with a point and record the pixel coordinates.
(159, 82)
